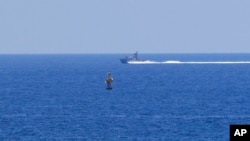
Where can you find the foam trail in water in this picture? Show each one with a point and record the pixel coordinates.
(144, 62)
(189, 62)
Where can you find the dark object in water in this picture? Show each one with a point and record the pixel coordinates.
(108, 81)
(109, 88)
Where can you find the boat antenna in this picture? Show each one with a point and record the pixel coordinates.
(136, 55)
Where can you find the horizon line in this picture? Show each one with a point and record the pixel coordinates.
(124, 53)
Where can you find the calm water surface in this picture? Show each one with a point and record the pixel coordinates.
(63, 97)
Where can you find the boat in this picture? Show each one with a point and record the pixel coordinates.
(132, 59)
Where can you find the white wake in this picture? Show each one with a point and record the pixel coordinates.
(189, 62)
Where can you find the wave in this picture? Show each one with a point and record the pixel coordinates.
(189, 62)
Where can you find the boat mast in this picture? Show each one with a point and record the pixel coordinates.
(136, 55)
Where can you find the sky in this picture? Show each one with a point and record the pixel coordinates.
(124, 26)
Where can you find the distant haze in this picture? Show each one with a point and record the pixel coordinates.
(124, 26)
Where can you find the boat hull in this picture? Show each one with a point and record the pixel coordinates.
(124, 61)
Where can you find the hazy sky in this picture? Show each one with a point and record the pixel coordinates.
(124, 26)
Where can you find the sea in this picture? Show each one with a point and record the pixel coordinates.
(172, 97)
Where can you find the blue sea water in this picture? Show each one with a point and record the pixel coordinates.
(63, 97)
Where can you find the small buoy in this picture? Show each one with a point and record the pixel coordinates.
(108, 81)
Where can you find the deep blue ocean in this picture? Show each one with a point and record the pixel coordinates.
(63, 97)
